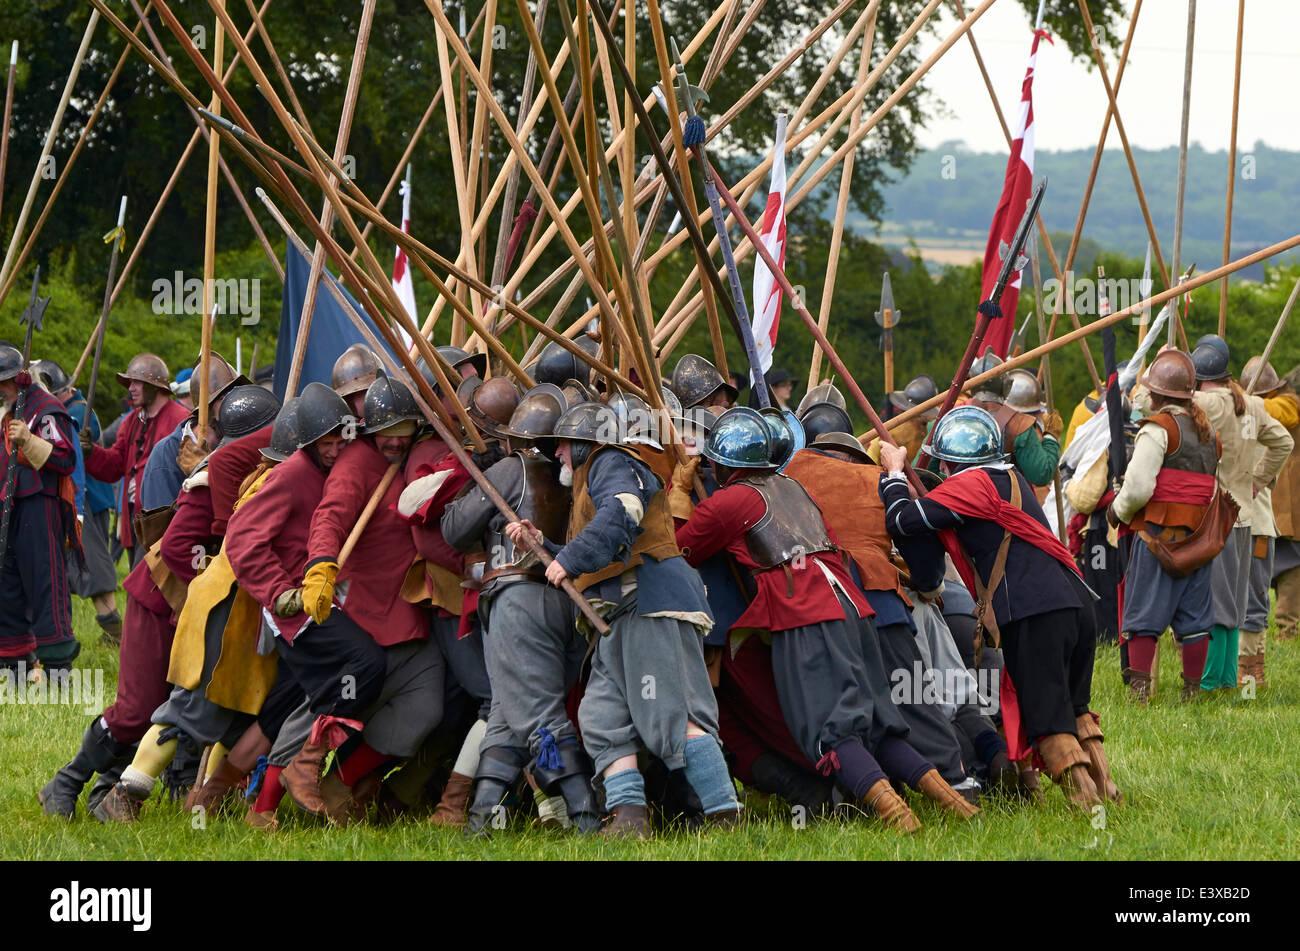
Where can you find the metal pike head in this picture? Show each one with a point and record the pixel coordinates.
(34, 313)
(887, 304)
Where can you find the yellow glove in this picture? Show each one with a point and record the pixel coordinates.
(190, 455)
(318, 588)
(1053, 425)
(288, 603)
(679, 496)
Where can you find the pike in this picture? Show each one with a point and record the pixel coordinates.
(32, 318)
(695, 134)
(117, 237)
(887, 317)
(1272, 341)
(9, 109)
(1013, 261)
(1017, 342)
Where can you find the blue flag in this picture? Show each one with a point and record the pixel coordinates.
(331, 330)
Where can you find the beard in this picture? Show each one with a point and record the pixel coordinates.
(566, 476)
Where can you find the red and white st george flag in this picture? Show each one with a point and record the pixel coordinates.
(402, 282)
(1016, 189)
(767, 293)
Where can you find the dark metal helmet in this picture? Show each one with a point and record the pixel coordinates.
(537, 412)
(994, 390)
(918, 390)
(966, 435)
(1214, 340)
(694, 378)
(1171, 374)
(1210, 361)
(490, 403)
(354, 370)
(638, 424)
(11, 362)
(246, 409)
(320, 412)
(740, 439)
(555, 364)
(147, 368)
(50, 374)
(457, 357)
(388, 402)
(1024, 392)
(822, 393)
(1268, 378)
(842, 442)
(575, 392)
(825, 418)
(784, 442)
(284, 434)
(592, 423)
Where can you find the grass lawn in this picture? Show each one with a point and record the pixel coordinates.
(1216, 779)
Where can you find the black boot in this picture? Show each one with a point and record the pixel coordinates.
(111, 626)
(499, 771)
(572, 780)
(99, 753)
(774, 774)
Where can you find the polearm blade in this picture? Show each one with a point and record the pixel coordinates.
(117, 237)
(1012, 261)
(724, 243)
(887, 318)
(32, 316)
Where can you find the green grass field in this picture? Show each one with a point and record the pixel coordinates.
(1216, 779)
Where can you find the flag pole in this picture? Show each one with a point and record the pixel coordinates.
(1232, 167)
(1175, 319)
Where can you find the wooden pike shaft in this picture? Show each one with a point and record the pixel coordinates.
(1175, 319)
(367, 513)
(1277, 332)
(1232, 167)
(210, 246)
(9, 111)
(779, 275)
(1064, 340)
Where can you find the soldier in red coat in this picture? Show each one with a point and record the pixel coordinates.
(155, 414)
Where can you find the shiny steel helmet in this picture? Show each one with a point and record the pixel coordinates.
(354, 370)
(1024, 392)
(740, 439)
(1210, 361)
(11, 362)
(967, 435)
(593, 423)
(821, 393)
(284, 434)
(537, 413)
(1171, 374)
(786, 433)
(320, 412)
(50, 375)
(695, 378)
(246, 409)
(575, 392)
(994, 390)
(556, 364)
(638, 424)
(147, 368)
(918, 390)
(388, 403)
(1268, 378)
(459, 358)
(825, 418)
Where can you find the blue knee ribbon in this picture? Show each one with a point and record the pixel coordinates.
(255, 778)
(548, 757)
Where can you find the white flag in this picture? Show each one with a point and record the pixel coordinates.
(767, 294)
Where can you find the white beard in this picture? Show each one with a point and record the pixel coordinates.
(566, 476)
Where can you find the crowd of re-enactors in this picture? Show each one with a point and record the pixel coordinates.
(327, 599)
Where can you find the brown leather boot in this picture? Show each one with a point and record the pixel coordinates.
(1090, 739)
(889, 807)
(455, 797)
(216, 790)
(1031, 786)
(1191, 689)
(340, 808)
(937, 789)
(119, 805)
(1251, 665)
(627, 822)
(1139, 686)
(1067, 764)
(262, 821)
(726, 821)
(301, 778)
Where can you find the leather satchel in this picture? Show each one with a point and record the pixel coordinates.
(149, 526)
(1179, 558)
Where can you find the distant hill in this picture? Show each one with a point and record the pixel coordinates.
(948, 217)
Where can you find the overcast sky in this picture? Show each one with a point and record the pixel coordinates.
(1070, 100)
